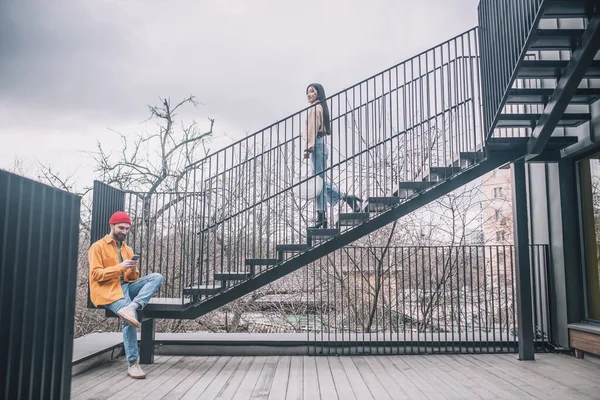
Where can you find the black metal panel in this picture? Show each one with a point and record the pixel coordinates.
(504, 32)
(39, 234)
(106, 200)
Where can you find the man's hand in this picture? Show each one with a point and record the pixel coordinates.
(306, 154)
(129, 264)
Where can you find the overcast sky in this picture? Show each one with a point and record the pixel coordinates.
(72, 69)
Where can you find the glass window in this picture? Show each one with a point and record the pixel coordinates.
(590, 209)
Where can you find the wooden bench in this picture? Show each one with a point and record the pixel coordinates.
(584, 338)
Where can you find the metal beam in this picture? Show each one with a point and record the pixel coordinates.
(567, 86)
(147, 341)
(521, 232)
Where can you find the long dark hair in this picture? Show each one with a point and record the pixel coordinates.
(321, 96)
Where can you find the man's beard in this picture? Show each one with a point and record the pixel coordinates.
(120, 237)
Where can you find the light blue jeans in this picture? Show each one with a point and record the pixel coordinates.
(142, 291)
(330, 194)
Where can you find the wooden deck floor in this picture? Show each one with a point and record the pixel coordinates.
(373, 377)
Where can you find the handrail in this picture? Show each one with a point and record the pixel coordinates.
(298, 113)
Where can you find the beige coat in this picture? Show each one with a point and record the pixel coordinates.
(314, 125)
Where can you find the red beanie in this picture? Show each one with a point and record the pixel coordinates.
(119, 218)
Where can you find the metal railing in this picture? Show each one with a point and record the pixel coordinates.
(414, 300)
(243, 200)
(504, 31)
(397, 126)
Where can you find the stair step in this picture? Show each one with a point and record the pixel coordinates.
(555, 39)
(530, 120)
(232, 276)
(202, 290)
(321, 233)
(439, 173)
(507, 143)
(261, 261)
(567, 9)
(351, 219)
(291, 248)
(408, 189)
(552, 69)
(541, 96)
(381, 203)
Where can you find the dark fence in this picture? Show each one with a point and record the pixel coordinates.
(417, 300)
(165, 231)
(39, 229)
(504, 29)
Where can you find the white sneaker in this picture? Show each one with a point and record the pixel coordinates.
(136, 372)
(128, 314)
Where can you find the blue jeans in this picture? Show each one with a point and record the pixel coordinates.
(142, 291)
(330, 194)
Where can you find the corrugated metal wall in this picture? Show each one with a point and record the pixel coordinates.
(106, 200)
(39, 228)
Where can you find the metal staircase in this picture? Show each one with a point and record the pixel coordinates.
(401, 139)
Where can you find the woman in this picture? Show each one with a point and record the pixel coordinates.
(317, 128)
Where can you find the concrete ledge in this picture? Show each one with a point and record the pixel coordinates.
(94, 349)
(585, 327)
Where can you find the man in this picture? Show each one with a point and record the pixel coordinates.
(115, 284)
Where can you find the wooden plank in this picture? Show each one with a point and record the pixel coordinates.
(215, 387)
(388, 382)
(245, 389)
(326, 385)
(583, 369)
(265, 380)
(95, 376)
(585, 341)
(555, 372)
(340, 380)
(310, 381)
(182, 371)
(181, 388)
(412, 390)
(230, 388)
(591, 337)
(296, 375)
(377, 389)
(280, 380)
(121, 381)
(463, 381)
(451, 387)
(359, 387)
(434, 380)
(415, 376)
(477, 373)
(144, 388)
(535, 384)
(200, 386)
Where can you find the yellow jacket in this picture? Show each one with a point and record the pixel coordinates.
(106, 270)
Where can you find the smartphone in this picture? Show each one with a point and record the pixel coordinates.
(135, 258)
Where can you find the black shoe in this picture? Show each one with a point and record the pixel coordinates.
(353, 202)
(321, 222)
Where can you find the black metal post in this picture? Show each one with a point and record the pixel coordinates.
(147, 341)
(521, 232)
